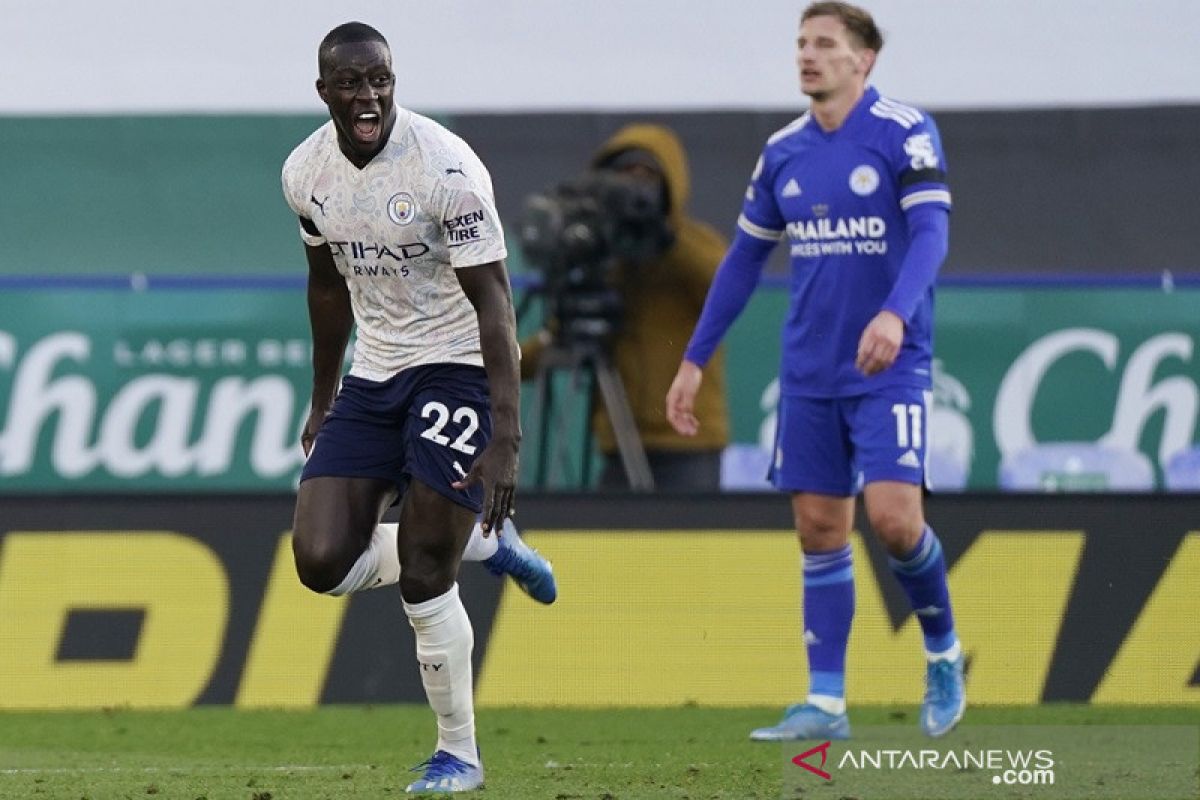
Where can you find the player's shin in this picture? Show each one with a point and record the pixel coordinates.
(444, 644)
(922, 574)
(828, 613)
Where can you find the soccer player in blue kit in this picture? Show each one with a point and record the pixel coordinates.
(857, 187)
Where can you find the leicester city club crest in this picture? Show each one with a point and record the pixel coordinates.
(864, 180)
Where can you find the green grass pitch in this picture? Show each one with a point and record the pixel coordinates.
(218, 753)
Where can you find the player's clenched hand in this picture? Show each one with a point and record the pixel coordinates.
(880, 343)
(681, 399)
(496, 469)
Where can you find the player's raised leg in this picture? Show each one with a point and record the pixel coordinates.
(333, 539)
(505, 553)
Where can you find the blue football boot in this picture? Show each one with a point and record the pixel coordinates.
(525, 565)
(803, 721)
(445, 774)
(945, 696)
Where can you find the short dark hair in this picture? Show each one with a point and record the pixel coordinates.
(857, 20)
(345, 33)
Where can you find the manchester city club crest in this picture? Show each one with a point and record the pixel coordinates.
(401, 208)
(864, 180)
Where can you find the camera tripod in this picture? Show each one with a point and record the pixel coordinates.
(589, 369)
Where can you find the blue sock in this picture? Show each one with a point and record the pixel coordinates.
(828, 611)
(922, 573)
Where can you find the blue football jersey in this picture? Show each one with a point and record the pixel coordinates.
(838, 201)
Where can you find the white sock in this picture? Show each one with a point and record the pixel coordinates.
(444, 644)
(479, 548)
(827, 703)
(946, 655)
(379, 564)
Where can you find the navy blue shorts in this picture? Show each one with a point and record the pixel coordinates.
(835, 445)
(428, 422)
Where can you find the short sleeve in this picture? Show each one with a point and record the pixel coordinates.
(294, 194)
(471, 229)
(310, 233)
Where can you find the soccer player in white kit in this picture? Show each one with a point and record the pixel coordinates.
(403, 239)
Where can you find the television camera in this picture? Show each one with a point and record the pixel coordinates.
(577, 233)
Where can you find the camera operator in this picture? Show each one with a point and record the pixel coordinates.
(661, 298)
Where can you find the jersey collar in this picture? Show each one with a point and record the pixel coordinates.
(861, 109)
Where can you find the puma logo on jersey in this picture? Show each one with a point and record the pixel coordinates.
(456, 170)
(320, 203)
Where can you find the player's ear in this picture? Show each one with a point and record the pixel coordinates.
(866, 60)
(322, 91)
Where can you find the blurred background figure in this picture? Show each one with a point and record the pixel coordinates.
(641, 300)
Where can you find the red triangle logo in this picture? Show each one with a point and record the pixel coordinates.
(823, 749)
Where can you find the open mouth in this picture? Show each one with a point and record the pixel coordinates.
(366, 126)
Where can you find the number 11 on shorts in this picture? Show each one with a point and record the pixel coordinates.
(908, 424)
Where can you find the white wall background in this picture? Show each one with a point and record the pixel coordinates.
(120, 56)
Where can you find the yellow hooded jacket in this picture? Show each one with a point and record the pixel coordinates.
(663, 300)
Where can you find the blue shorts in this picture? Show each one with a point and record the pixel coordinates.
(836, 445)
(428, 422)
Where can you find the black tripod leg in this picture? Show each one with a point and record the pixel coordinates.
(629, 443)
(585, 450)
(543, 403)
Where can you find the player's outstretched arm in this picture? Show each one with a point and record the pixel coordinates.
(736, 277)
(487, 287)
(331, 319)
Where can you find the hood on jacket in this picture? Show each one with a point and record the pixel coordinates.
(662, 143)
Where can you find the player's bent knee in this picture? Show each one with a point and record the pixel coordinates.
(319, 577)
(320, 568)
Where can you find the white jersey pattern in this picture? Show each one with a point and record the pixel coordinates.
(398, 228)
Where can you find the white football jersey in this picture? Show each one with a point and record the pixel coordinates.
(398, 228)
